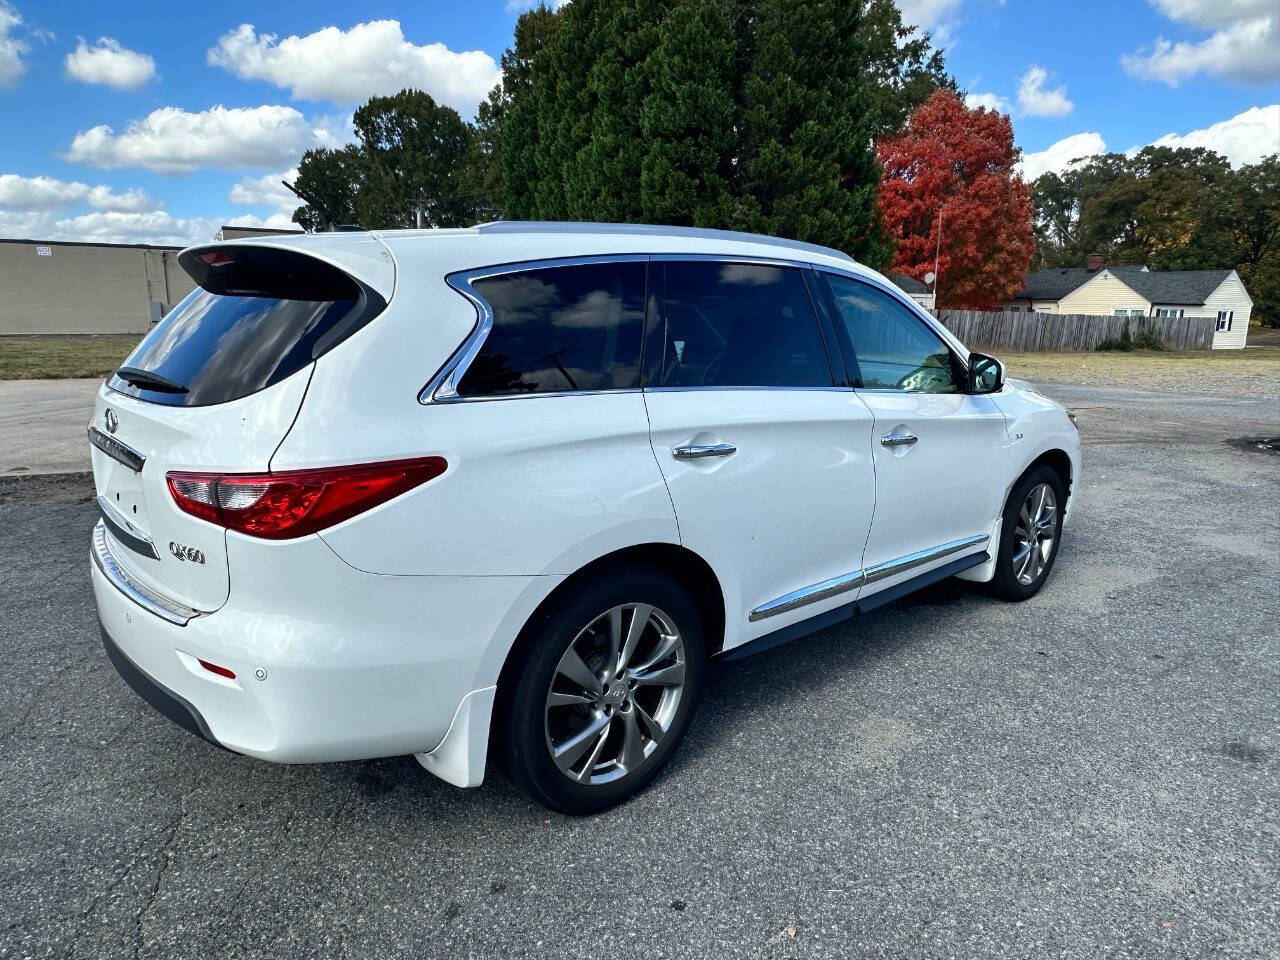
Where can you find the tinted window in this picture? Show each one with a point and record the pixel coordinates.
(212, 349)
(894, 349)
(563, 328)
(733, 325)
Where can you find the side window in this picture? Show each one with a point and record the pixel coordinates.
(561, 328)
(894, 349)
(718, 324)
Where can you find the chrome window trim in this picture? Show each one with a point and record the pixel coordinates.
(686, 389)
(136, 591)
(443, 387)
(117, 450)
(890, 568)
(858, 578)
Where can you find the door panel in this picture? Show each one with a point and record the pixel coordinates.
(941, 455)
(787, 509)
(767, 460)
(946, 486)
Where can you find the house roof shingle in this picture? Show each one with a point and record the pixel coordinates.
(908, 284)
(1183, 287)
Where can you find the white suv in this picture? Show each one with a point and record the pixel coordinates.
(502, 492)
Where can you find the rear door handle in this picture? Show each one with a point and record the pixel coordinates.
(697, 451)
(899, 439)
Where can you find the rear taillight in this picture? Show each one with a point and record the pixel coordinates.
(278, 506)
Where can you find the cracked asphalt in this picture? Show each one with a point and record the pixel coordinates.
(1091, 773)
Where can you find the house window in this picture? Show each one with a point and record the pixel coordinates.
(1169, 311)
(1128, 312)
(1224, 319)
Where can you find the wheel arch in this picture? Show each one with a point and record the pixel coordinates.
(1057, 460)
(684, 566)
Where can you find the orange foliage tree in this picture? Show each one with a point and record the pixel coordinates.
(959, 161)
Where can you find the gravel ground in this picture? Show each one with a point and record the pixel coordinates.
(1091, 773)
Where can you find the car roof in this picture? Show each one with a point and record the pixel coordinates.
(500, 242)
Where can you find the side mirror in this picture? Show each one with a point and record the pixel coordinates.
(986, 374)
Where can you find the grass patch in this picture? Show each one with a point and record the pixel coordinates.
(52, 358)
(1239, 373)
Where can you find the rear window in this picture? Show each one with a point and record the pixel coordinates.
(560, 329)
(257, 317)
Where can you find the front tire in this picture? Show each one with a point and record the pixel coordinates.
(1030, 534)
(602, 690)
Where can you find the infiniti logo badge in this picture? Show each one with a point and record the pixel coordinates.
(111, 420)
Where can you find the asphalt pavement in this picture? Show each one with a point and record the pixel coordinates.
(1090, 773)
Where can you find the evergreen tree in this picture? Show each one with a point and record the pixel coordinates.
(743, 114)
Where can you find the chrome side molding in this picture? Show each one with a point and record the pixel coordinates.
(806, 595)
(136, 591)
(882, 571)
(857, 578)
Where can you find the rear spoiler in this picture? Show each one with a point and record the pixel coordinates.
(364, 259)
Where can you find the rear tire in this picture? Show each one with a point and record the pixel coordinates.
(602, 688)
(1030, 534)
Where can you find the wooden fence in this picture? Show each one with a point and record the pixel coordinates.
(1069, 331)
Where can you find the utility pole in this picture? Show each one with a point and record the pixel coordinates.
(937, 255)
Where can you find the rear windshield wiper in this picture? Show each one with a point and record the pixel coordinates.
(149, 381)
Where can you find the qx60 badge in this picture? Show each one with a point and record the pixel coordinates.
(186, 553)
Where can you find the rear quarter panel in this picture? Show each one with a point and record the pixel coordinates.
(535, 485)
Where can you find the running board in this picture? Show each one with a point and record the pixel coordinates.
(803, 628)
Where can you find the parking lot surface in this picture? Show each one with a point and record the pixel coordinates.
(1090, 773)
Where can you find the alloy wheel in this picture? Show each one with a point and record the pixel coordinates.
(615, 693)
(1034, 534)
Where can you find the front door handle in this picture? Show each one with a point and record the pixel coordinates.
(899, 439)
(696, 451)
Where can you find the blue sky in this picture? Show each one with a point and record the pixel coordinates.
(154, 125)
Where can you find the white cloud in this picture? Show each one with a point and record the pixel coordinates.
(1245, 138)
(1244, 47)
(1035, 101)
(11, 48)
(109, 64)
(48, 193)
(926, 13)
(990, 101)
(349, 66)
(277, 221)
(171, 140)
(266, 191)
(1061, 155)
(104, 198)
(152, 226)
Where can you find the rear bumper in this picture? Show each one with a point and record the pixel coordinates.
(330, 663)
(168, 703)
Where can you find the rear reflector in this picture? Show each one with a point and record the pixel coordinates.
(294, 503)
(214, 668)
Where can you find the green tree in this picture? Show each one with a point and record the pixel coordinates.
(744, 114)
(1183, 209)
(414, 163)
(330, 178)
(495, 123)
(420, 163)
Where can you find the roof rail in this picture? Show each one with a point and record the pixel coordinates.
(648, 229)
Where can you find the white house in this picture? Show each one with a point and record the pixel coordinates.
(914, 289)
(1138, 292)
